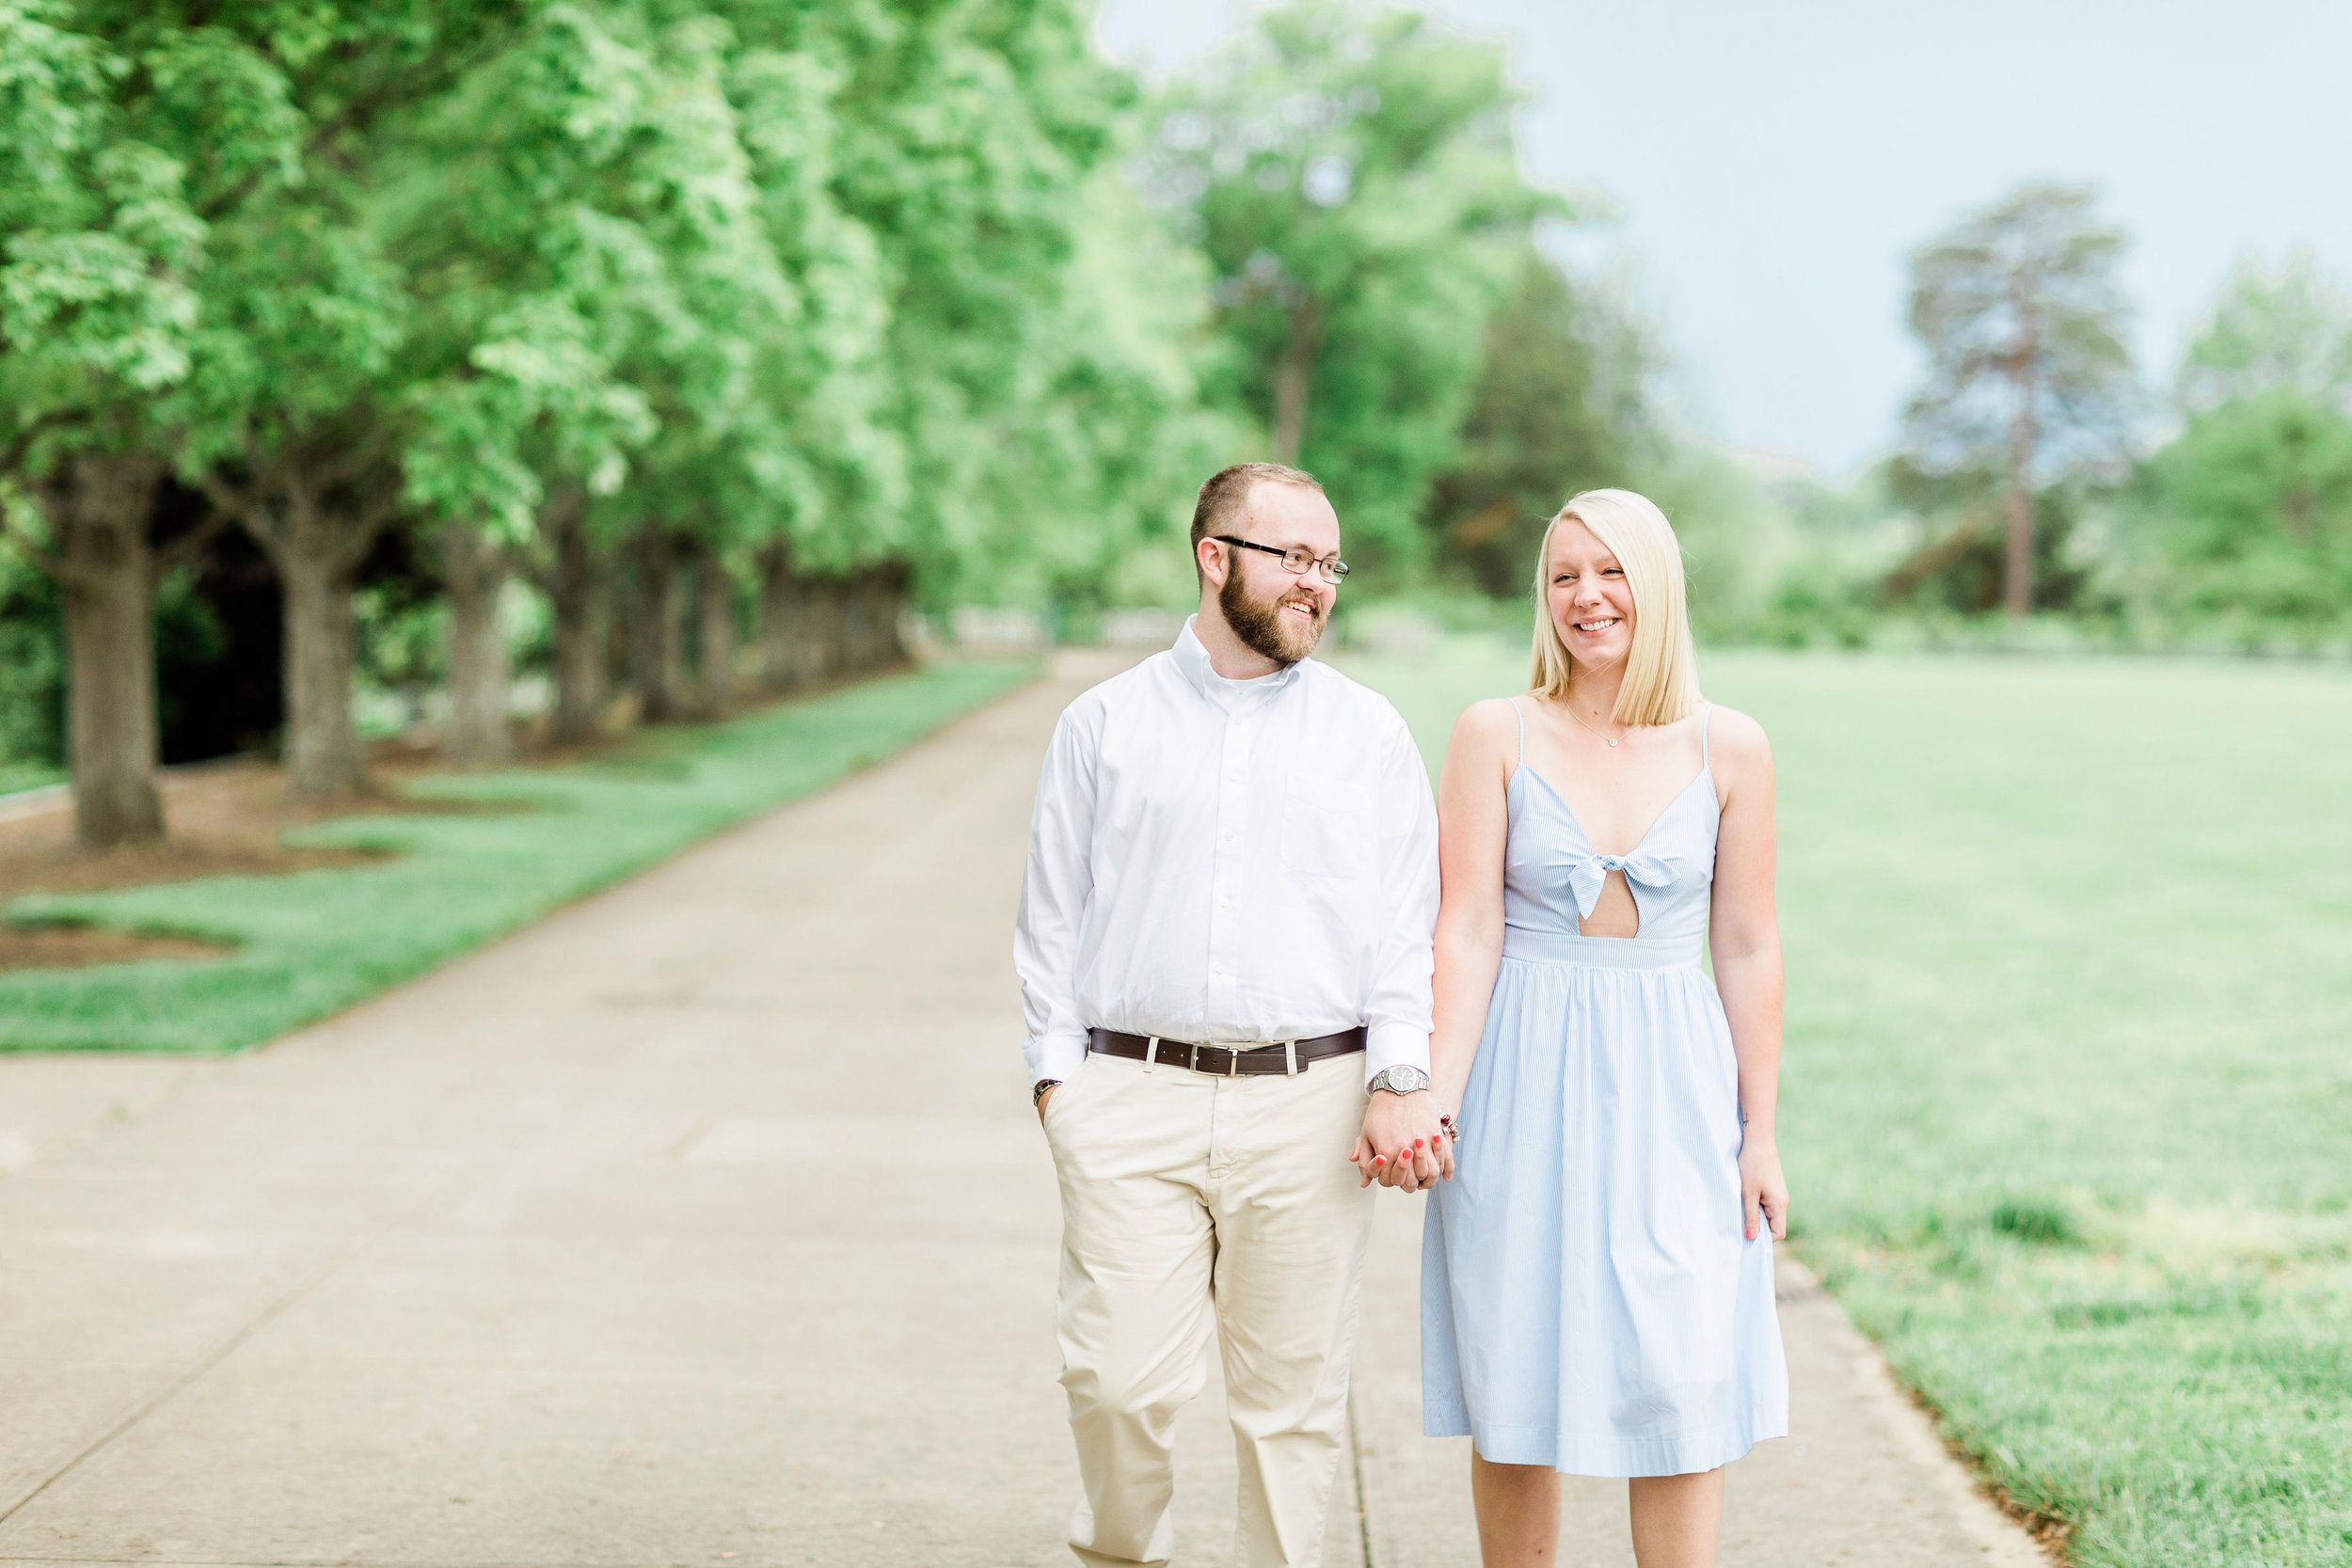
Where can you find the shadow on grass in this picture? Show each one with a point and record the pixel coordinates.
(78, 944)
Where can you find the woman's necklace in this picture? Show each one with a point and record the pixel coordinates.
(1570, 704)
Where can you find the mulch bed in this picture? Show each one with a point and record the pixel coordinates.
(72, 946)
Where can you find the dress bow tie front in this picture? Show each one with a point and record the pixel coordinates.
(1585, 877)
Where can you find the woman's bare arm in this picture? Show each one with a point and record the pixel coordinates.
(1474, 826)
(1743, 936)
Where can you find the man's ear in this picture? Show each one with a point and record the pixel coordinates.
(1209, 558)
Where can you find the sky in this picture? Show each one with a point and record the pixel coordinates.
(1773, 163)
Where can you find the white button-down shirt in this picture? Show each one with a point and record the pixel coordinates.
(1229, 860)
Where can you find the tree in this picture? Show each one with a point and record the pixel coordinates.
(1355, 186)
(1561, 404)
(2287, 329)
(96, 310)
(300, 402)
(2021, 315)
(2250, 503)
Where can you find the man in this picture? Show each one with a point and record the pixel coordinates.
(1224, 943)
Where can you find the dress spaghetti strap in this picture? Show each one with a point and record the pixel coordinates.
(1707, 716)
(1520, 714)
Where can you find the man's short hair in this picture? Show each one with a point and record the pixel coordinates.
(1219, 508)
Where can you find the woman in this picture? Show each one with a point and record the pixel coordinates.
(1596, 1288)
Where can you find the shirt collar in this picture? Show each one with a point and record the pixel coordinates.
(1192, 661)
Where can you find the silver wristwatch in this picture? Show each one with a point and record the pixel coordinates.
(1399, 1079)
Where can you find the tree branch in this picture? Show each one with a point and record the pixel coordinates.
(441, 66)
(185, 548)
(242, 508)
(56, 418)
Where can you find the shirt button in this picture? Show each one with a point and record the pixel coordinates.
(1220, 969)
(1228, 838)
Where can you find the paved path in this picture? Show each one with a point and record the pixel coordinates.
(702, 1223)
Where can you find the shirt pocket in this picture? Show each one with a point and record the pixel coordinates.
(1326, 826)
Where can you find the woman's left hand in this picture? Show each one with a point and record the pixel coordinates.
(1763, 1191)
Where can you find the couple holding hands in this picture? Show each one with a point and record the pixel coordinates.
(1264, 971)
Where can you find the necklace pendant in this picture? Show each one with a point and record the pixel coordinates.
(1614, 741)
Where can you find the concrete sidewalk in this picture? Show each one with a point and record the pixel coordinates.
(702, 1223)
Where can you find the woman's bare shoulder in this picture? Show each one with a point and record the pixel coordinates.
(1487, 731)
(1736, 739)
(1488, 721)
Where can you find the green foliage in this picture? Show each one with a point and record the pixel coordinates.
(32, 672)
(401, 636)
(308, 943)
(2064, 1086)
(2244, 518)
(1959, 563)
(1353, 185)
(2283, 330)
(1042, 398)
(2252, 505)
(1561, 404)
(98, 240)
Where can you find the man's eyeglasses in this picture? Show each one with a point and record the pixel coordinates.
(1295, 560)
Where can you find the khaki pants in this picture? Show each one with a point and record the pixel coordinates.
(1188, 1198)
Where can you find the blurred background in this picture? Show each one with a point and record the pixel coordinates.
(400, 400)
(610, 345)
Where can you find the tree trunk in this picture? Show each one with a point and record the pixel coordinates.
(316, 546)
(98, 506)
(2024, 379)
(474, 568)
(890, 608)
(855, 597)
(2017, 563)
(715, 635)
(656, 643)
(1291, 374)
(821, 615)
(783, 621)
(321, 741)
(580, 592)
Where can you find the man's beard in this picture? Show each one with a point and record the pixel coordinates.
(1265, 627)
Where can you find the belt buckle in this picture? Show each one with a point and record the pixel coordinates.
(1233, 1055)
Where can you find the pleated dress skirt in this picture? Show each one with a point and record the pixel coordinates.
(1589, 1300)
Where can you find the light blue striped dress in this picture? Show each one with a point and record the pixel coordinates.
(1588, 1298)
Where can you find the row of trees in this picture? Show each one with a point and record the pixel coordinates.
(687, 309)
(2033, 416)
(684, 294)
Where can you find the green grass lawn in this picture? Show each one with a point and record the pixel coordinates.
(2068, 1103)
(313, 942)
(16, 776)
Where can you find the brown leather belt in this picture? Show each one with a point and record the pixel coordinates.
(1227, 1061)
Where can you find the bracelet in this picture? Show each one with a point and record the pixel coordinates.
(1452, 1127)
(1037, 1090)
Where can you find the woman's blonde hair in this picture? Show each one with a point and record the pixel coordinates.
(1661, 674)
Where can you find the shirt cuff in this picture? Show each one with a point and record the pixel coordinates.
(1058, 1058)
(1390, 1045)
